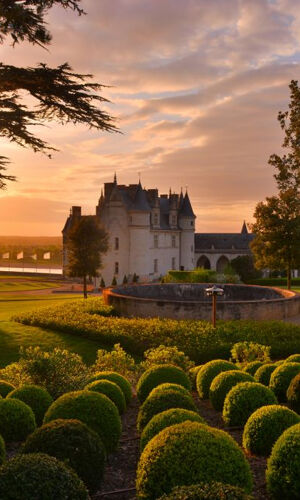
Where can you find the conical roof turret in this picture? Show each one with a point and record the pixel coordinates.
(244, 229)
(140, 199)
(186, 207)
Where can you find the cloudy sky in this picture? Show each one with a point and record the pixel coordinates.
(196, 86)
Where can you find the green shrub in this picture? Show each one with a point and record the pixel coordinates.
(118, 379)
(252, 368)
(158, 375)
(294, 358)
(293, 393)
(281, 379)
(265, 426)
(111, 390)
(166, 355)
(2, 450)
(75, 444)
(208, 372)
(193, 375)
(92, 408)
(199, 275)
(263, 374)
(36, 397)
(243, 399)
(166, 419)
(282, 474)
(39, 477)
(5, 388)
(166, 387)
(223, 383)
(117, 360)
(246, 352)
(207, 491)
(161, 402)
(16, 420)
(189, 453)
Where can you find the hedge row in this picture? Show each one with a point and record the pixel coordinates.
(197, 339)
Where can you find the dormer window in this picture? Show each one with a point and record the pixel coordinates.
(155, 220)
(173, 220)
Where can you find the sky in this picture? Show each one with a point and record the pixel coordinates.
(195, 86)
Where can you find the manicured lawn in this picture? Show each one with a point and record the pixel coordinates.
(13, 335)
(24, 285)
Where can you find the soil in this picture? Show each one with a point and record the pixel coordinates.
(119, 479)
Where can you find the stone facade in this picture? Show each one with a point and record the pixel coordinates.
(149, 234)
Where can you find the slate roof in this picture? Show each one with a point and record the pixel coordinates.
(222, 241)
(186, 207)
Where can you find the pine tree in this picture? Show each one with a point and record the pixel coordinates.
(59, 93)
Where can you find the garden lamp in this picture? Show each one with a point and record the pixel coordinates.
(213, 292)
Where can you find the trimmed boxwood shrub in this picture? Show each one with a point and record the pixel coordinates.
(118, 379)
(208, 372)
(166, 387)
(34, 396)
(193, 375)
(39, 477)
(263, 374)
(281, 379)
(160, 402)
(92, 408)
(75, 444)
(189, 453)
(283, 467)
(16, 420)
(243, 399)
(5, 388)
(207, 491)
(111, 390)
(252, 367)
(166, 419)
(223, 383)
(293, 393)
(265, 426)
(2, 450)
(157, 375)
(294, 358)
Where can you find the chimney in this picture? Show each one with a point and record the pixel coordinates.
(76, 212)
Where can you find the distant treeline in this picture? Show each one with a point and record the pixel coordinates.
(31, 250)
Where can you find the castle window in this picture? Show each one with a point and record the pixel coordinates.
(173, 220)
(192, 222)
(173, 241)
(116, 243)
(155, 241)
(155, 220)
(173, 263)
(155, 267)
(116, 267)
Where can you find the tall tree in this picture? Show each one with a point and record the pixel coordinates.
(87, 242)
(59, 93)
(277, 228)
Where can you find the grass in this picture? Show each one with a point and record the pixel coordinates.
(13, 335)
(25, 285)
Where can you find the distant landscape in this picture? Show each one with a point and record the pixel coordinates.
(32, 250)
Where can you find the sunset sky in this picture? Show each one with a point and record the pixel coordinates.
(196, 87)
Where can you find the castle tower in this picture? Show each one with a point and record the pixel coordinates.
(139, 233)
(186, 220)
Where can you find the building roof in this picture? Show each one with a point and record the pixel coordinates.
(222, 241)
(186, 207)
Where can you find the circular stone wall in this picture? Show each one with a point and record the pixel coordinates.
(189, 301)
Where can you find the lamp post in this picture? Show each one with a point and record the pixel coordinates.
(213, 292)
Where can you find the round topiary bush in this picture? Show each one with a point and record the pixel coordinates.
(207, 491)
(294, 358)
(283, 467)
(96, 410)
(281, 379)
(74, 443)
(118, 379)
(208, 372)
(166, 419)
(189, 453)
(263, 374)
(16, 420)
(223, 383)
(243, 399)
(34, 396)
(160, 402)
(111, 390)
(166, 387)
(160, 374)
(252, 367)
(293, 393)
(193, 375)
(5, 388)
(265, 426)
(2, 450)
(37, 476)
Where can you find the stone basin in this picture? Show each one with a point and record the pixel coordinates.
(189, 301)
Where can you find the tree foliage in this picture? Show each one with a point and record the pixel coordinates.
(243, 265)
(87, 241)
(277, 226)
(58, 93)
